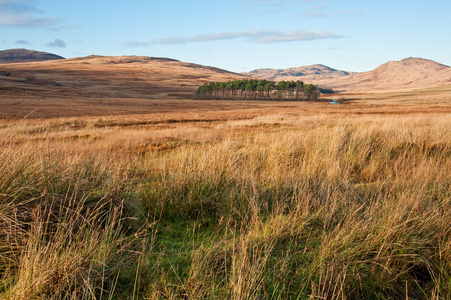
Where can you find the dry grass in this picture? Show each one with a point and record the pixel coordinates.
(164, 110)
(293, 201)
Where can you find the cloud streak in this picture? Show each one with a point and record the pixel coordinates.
(318, 11)
(138, 44)
(59, 28)
(354, 12)
(21, 13)
(253, 36)
(22, 42)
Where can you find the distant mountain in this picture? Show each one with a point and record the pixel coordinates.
(409, 73)
(157, 78)
(24, 55)
(305, 73)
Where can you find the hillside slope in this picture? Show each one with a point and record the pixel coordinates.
(24, 55)
(161, 78)
(409, 73)
(304, 73)
(104, 76)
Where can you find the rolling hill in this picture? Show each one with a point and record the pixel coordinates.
(104, 76)
(142, 77)
(24, 55)
(409, 73)
(305, 73)
(104, 85)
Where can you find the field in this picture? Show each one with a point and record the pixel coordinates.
(184, 199)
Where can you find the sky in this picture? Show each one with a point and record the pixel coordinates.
(236, 35)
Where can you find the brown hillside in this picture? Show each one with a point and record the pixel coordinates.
(305, 73)
(409, 73)
(103, 76)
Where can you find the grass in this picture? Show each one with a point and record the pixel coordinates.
(276, 206)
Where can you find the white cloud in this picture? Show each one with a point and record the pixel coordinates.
(255, 36)
(21, 13)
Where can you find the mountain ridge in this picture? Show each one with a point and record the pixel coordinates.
(161, 77)
(411, 72)
(311, 72)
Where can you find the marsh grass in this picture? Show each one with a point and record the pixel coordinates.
(278, 207)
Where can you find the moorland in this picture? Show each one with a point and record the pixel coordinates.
(152, 195)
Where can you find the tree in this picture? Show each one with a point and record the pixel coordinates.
(281, 87)
(258, 89)
(261, 88)
(269, 86)
(310, 92)
(299, 88)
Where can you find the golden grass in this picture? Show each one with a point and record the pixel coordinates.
(303, 201)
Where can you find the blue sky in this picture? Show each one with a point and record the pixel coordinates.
(237, 35)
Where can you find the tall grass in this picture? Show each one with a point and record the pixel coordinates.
(275, 208)
(63, 226)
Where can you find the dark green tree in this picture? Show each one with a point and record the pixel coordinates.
(258, 89)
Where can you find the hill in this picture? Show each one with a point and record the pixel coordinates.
(409, 73)
(24, 55)
(140, 77)
(305, 73)
(114, 77)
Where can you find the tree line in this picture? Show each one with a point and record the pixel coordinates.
(254, 89)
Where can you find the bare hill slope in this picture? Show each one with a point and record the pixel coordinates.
(160, 78)
(305, 73)
(24, 55)
(409, 73)
(104, 76)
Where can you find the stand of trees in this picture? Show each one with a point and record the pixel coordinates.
(254, 89)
